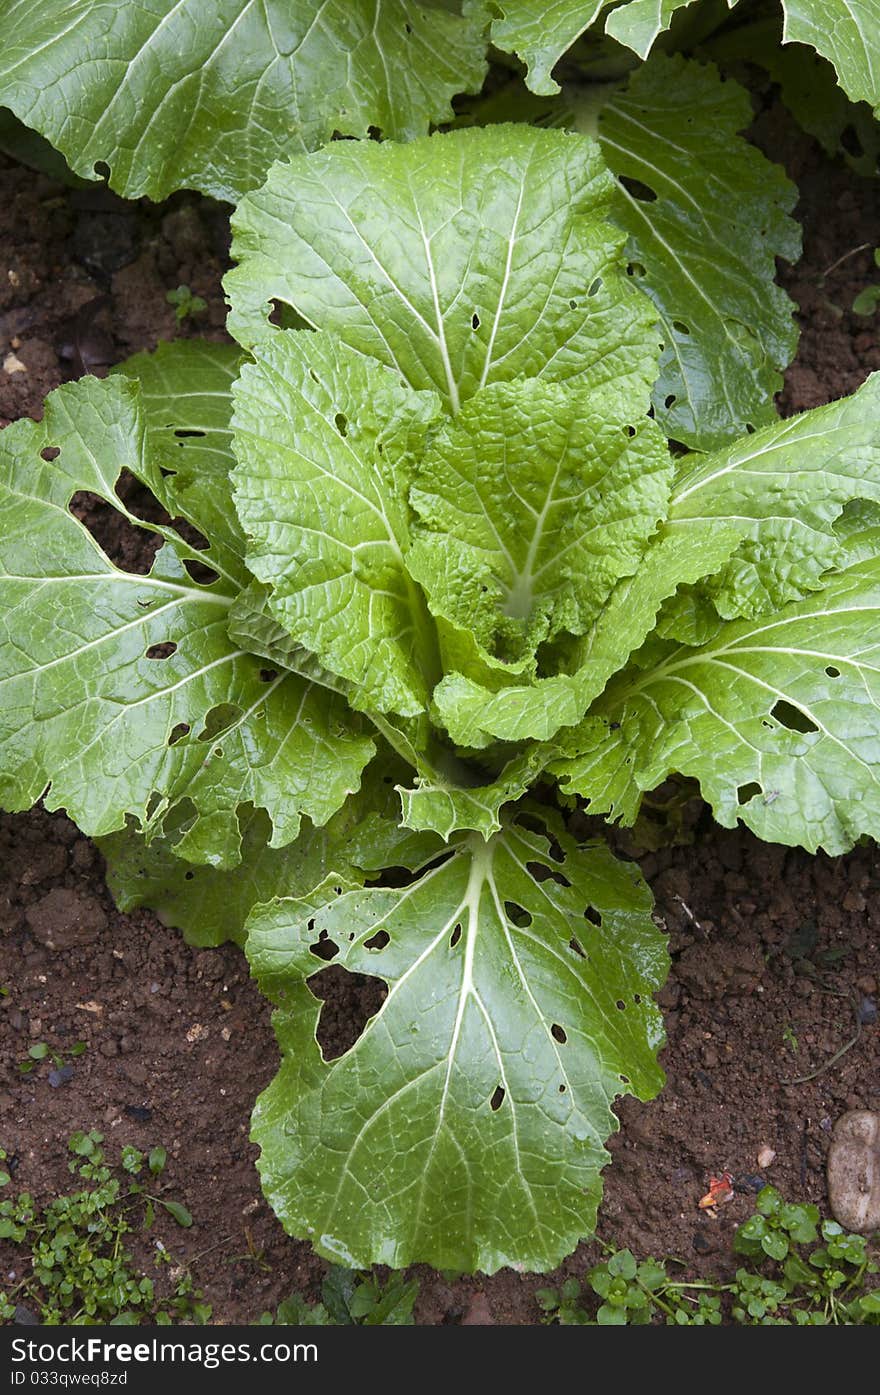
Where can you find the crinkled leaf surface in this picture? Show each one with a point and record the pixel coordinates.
(778, 718)
(205, 94)
(465, 1126)
(533, 502)
(461, 260)
(707, 215)
(448, 794)
(472, 713)
(782, 489)
(326, 442)
(122, 692)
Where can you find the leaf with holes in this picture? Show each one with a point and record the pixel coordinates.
(778, 718)
(471, 258)
(326, 442)
(186, 405)
(707, 215)
(205, 94)
(120, 691)
(212, 904)
(465, 1127)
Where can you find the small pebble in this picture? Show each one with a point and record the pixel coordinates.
(60, 1077)
(854, 1171)
(750, 1182)
(868, 1012)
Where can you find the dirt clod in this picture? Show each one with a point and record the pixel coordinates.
(65, 918)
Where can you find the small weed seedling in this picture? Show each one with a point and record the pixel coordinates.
(349, 1297)
(186, 305)
(78, 1269)
(804, 1272)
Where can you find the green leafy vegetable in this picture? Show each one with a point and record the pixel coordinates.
(442, 554)
(519, 987)
(706, 220)
(778, 719)
(122, 692)
(205, 94)
(706, 215)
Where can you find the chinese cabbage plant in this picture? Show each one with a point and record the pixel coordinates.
(429, 553)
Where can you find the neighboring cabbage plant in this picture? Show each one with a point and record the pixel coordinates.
(428, 554)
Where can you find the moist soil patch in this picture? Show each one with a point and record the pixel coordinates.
(775, 953)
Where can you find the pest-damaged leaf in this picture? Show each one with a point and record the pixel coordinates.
(470, 258)
(465, 1126)
(186, 405)
(206, 94)
(778, 718)
(707, 215)
(326, 442)
(212, 904)
(122, 692)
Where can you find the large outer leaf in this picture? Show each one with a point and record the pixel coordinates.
(206, 93)
(534, 500)
(209, 904)
(707, 245)
(778, 719)
(782, 490)
(86, 709)
(469, 258)
(704, 248)
(326, 442)
(400, 1151)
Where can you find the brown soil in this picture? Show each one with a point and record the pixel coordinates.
(770, 946)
